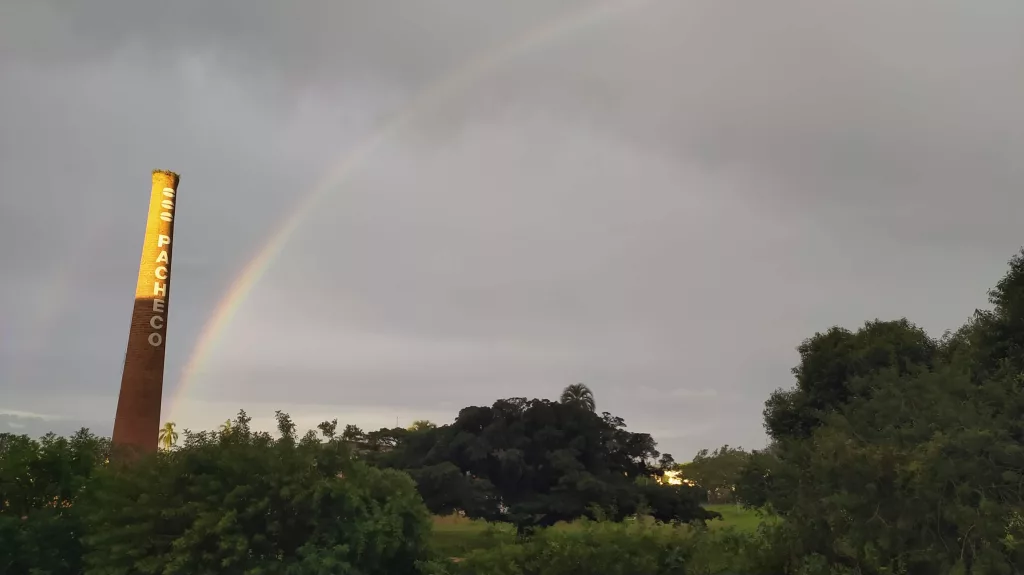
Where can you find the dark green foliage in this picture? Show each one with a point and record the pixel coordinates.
(924, 476)
(597, 548)
(755, 482)
(243, 502)
(630, 548)
(832, 362)
(894, 454)
(239, 501)
(716, 473)
(40, 482)
(992, 342)
(537, 462)
(578, 394)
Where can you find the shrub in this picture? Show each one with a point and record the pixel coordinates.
(242, 502)
(641, 547)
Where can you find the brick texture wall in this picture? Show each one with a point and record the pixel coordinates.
(137, 422)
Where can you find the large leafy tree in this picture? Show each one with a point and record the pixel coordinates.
(923, 476)
(537, 462)
(896, 454)
(832, 362)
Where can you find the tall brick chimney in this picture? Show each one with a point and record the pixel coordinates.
(137, 422)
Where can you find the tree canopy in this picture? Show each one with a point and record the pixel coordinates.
(834, 362)
(896, 453)
(245, 502)
(716, 473)
(536, 462)
(39, 483)
(579, 394)
(241, 501)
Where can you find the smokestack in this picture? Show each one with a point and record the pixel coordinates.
(137, 422)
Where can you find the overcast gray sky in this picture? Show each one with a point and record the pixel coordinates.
(660, 200)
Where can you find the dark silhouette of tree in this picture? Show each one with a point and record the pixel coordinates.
(898, 453)
(832, 363)
(578, 394)
(537, 462)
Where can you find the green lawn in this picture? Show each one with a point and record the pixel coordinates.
(734, 516)
(454, 536)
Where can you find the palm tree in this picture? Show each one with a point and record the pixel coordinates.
(226, 428)
(168, 437)
(580, 395)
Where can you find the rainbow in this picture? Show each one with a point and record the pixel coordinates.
(452, 83)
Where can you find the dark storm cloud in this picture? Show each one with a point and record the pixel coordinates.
(321, 41)
(825, 102)
(660, 203)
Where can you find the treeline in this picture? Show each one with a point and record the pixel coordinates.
(332, 501)
(236, 501)
(533, 463)
(899, 453)
(893, 453)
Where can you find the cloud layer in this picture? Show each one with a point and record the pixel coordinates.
(660, 203)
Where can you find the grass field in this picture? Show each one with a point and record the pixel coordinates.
(735, 516)
(454, 536)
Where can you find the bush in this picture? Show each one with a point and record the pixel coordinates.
(641, 547)
(243, 502)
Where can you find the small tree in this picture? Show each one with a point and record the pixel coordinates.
(168, 436)
(422, 425)
(717, 472)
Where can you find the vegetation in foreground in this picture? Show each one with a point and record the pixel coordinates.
(241, 501)
(457, 536)
(894, 453)
(642, 546)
